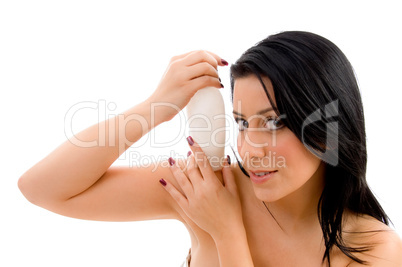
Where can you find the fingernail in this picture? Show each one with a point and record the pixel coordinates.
(228, 159)
(224, 62)
(163, 182)
(219, 79)
(171, 161)
(222, 86)
(188, 154)
(190, 140)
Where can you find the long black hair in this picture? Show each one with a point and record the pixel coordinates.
(315, 87)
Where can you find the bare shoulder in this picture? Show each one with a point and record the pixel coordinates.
(384, 246)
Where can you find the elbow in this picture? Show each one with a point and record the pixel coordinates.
(24, 185)
(36, 192)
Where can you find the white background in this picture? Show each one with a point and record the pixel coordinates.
(55, 54)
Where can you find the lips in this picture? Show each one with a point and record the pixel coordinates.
(261, 176)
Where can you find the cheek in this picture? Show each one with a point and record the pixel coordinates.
(239, 142)
(299, 161)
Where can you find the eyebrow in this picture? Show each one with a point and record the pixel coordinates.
(261, 112)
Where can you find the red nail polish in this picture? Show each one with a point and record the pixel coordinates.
(171, 161)
(222, 86)
(224, 62)
(163, 182)
(190, 140)
(228, 159)
(188, 154)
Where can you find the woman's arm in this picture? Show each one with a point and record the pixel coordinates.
(233, 249)
(77, 181)
(71, 170)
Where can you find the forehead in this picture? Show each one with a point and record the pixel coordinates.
(249, 92)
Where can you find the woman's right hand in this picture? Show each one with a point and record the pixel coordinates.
(185, 75)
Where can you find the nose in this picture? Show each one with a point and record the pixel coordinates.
(253, 144)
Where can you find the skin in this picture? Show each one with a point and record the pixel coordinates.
(80, 183)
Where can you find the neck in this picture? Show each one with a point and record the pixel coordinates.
(299, 209)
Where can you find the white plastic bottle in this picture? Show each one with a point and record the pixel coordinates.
(207, 124)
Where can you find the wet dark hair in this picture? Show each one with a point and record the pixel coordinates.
(316, 89)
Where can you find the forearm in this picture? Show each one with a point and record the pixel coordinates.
(233, 249)
(79, 162)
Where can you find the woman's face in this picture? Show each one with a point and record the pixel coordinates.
(267, 147)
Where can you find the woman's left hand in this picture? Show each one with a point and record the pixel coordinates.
(214, 207)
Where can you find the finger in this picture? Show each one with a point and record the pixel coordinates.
(202, 69)
(203, 56)
(194, 173)
(181, 178)
(228, 177)
(182, 56)
(203, 82)
(175, 194)
(220, 61)
(201, 160)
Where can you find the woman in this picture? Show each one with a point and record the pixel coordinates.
(299, 197)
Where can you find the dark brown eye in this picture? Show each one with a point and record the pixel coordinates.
(274, 123)
(243, 124)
